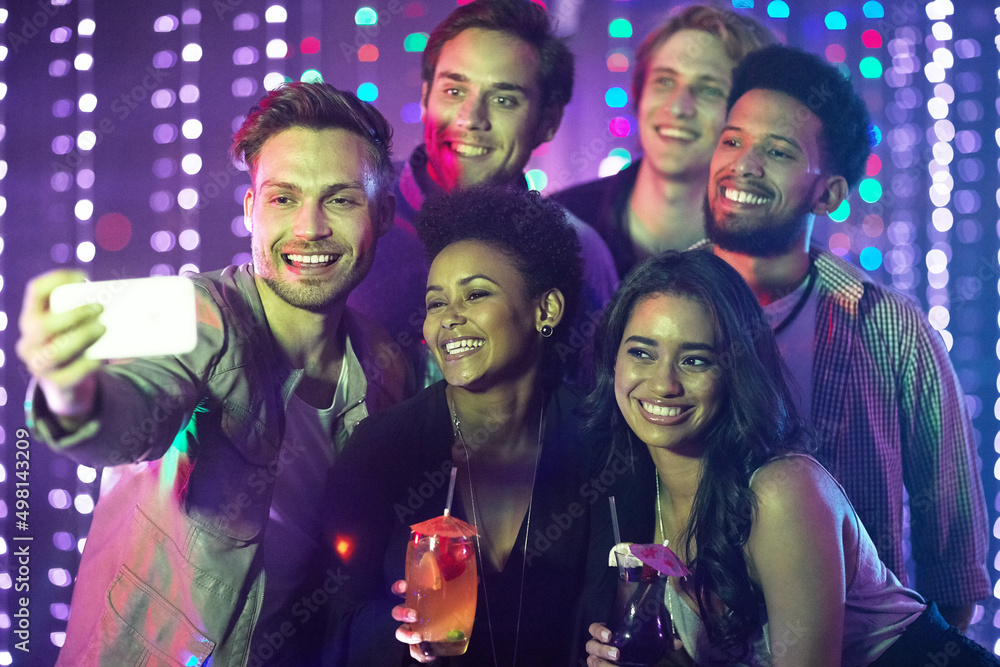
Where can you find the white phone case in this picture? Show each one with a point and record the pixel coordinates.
(144, 317)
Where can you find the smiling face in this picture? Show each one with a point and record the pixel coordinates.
(683, 104)
(668, 383)
(767, 176)
(483, 113)
(314, 216)
(481, 323)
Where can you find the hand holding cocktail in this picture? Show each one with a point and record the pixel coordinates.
(440, 587)
(641, 632)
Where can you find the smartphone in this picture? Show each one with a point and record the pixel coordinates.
(144, 317)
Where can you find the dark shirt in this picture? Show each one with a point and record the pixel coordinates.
(603, 204)
(394, 473)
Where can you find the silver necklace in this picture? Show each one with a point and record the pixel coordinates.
(659, 516)
(475, 521)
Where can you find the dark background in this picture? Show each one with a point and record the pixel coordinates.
(932, 232)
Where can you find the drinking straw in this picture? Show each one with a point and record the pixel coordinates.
(614, 519)
(451, 491)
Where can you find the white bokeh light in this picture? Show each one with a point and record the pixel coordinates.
(84, 209)
(277, 48)
(191, 164)
(87, 103)
(192, 53)
(83, 61)
(191, 129)
(86, 251)
(276, 14)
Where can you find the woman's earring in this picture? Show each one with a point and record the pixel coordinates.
(546, 331)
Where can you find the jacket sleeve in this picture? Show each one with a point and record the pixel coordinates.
(141, 403)
(941, 470)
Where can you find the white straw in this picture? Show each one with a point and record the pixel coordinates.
(614, 520)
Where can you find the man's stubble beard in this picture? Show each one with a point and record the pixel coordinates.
(316, 298)
(760, 240)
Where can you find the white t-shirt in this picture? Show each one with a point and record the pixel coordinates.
(307, 454)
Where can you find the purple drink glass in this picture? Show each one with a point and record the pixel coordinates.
(640, 626)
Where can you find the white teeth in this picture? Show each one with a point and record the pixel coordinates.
(744, 197)
(677, 133)
(469, 151)
(661, 410)
(311, 259)
(459, 346)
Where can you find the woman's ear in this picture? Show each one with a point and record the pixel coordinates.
(551, 307)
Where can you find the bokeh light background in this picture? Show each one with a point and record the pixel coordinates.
(115, 120)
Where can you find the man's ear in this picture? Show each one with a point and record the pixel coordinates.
(386, 213)
(551, 307)
(548, 124)
(834, 192)
(248, 209)
(424, 91)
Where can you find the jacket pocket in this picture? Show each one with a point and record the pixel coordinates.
(138, 627)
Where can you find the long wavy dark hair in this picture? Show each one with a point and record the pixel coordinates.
(756, 422)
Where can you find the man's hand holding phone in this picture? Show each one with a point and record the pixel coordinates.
(69, 325)
(53, 346)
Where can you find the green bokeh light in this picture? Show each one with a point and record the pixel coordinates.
(620, 28)
(842, 212)
(366, 16)
(870, 190)
(870, 67)
(311, 76)
(415, 42)
(537, 179)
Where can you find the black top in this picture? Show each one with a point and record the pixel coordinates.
(603, 204)
(394, 473)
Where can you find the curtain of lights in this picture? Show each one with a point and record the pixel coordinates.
(115, 119)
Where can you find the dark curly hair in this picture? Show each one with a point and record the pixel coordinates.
(757, 421)
(524, 20)
(823, 90)
(317, 106)
(532, 231)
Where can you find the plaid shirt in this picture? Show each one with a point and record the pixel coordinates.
(888, 410)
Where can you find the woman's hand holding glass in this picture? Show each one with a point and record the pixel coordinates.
(601, 654)
(406, 616)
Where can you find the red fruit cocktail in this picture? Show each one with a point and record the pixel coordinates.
(441, 583)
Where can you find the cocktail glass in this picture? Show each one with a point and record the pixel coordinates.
(640, 623)
(441, 584)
